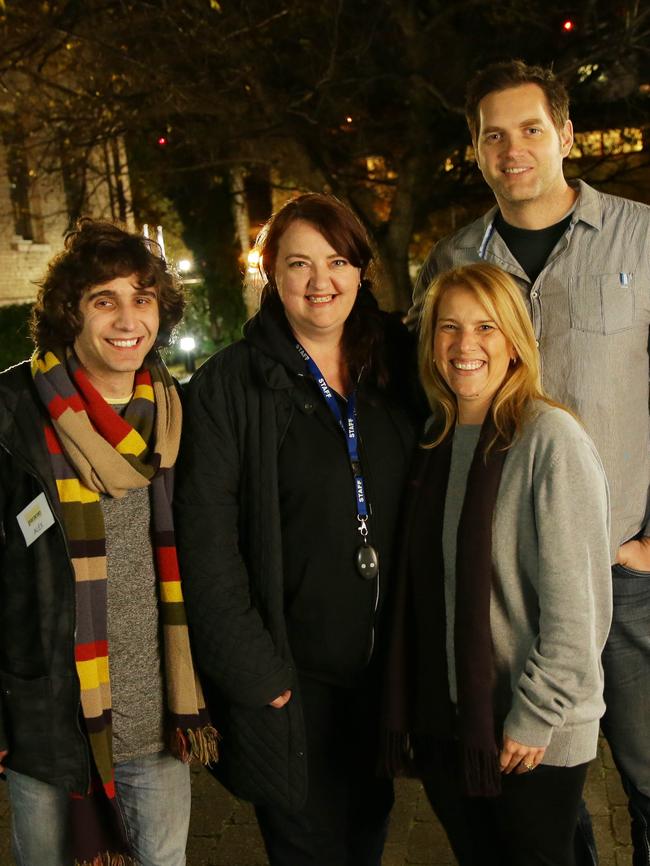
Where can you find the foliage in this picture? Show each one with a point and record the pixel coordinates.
(360, 97)
(15, 342)
(196, 214)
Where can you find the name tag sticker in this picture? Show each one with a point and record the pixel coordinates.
(35, 519)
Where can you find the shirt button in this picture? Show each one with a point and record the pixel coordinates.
(534, 294)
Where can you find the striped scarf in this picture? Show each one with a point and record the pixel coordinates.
(94, 451)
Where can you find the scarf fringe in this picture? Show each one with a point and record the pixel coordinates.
(197, 744)
(108, 859)
(396, 756)
(481, 773)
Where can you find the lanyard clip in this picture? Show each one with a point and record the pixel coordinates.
(363, 525)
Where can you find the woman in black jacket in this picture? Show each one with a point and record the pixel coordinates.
(295, 448)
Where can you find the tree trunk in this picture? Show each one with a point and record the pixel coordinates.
(243, 230)
(393, 242)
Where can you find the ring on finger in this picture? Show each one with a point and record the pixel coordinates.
(529, 767)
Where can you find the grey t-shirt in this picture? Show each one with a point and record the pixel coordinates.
(466, 438)
(137, 686)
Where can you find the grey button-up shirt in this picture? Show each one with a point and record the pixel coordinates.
(590, 308)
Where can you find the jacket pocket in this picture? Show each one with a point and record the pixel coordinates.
(602, 303)
(28, 713)
(262, 755)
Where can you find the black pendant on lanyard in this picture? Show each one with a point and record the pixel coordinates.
(366, 558)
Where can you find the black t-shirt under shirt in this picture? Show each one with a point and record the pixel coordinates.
(531, 247)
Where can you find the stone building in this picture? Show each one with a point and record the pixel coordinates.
(41, 195)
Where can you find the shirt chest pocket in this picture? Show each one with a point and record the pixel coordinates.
(602, 303)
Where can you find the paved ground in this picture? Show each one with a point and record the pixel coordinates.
(224, 833)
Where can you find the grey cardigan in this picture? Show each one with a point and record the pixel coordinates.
(552, 600)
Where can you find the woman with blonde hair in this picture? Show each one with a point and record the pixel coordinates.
(495, 682)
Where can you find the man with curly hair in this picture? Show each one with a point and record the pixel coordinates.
(100, 709)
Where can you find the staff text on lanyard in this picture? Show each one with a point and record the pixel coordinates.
(367, 559)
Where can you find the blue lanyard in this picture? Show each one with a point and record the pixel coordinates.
(349, 428)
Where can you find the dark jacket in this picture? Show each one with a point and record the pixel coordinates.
(238, 409)
(39, 687)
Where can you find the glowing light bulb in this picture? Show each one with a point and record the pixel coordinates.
(253, 261)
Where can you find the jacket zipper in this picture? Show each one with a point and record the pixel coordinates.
(34, 474)
(374, 618)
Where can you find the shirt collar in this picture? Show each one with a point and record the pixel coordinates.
(588, 209)
(588, 206)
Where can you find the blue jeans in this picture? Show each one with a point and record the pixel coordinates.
(154, 797)
(626, 660)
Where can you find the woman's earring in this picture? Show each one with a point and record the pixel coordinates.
(513, 361)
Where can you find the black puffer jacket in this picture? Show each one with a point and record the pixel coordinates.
(237, 411)
(39, 698)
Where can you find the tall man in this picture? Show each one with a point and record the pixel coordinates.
(582, 261)
(98, 696)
